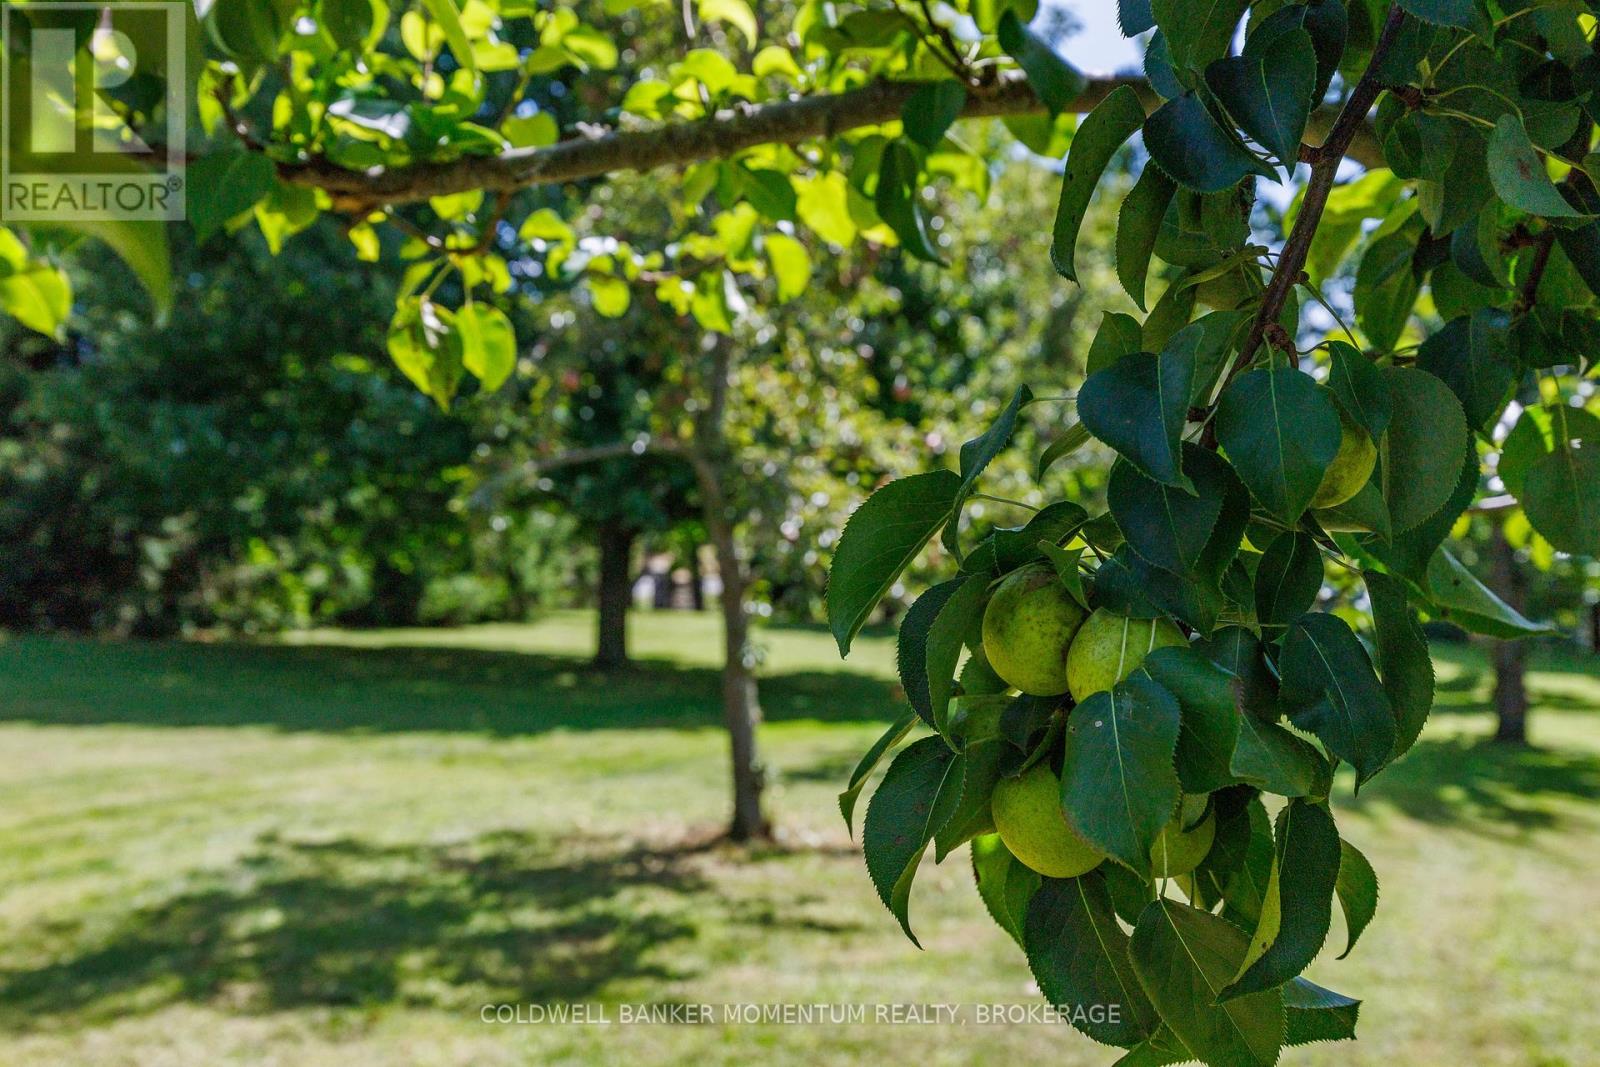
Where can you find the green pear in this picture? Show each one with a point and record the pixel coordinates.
(1351, 467)
(1178, 851)
(1027, 814)
(1109, 647)
(1027, 629)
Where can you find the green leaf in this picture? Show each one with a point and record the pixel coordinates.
(1138, 406)
(1209, 342)
(1561, 495)
(226, 184)
(1209, 726)
(1097, 139)
(735, 13)
(1118, 786)
(37, 295)
(1458, 596)
(1270, 95)
(791, 265)
(424, 344)
(1056, 82)
(1184, 957)
(1288, 579)
(1299, 905)
(931, 110)
(1138, 224)
(1357, 887)
(1119, 335)
(1269, 757)
(488, 344)
(869, 762)
(1079, 956)
(1318, 1014)
(1324, 21)
(348, 22)
(1168, 527)
(1403, 660)
(1005, 885)
(1280, 431)
(1422, 450)
(1197, 33)
(141, 245)
(911, 649)
(957, 618)
(899, 202)
(448, 16)
(1333, 692)
(1474, 356)
(978, 453)
(916, 797)
(1238, 868)
(1518, 173)
(1386, 288)
(1065, 561)
(1049, 525)
(1189, 146)
(1360, 387)
(1076, 436)
(1134, 17)
(1128, 585)
(982, 760)
(881, 538)
(1460, 14)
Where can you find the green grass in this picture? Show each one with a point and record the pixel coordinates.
(336, 851)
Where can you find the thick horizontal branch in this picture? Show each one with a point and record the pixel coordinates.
(674, 144)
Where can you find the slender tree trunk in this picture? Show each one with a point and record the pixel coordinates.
(697, 580)
(741, 703)
(1510, 657)
(615, 540)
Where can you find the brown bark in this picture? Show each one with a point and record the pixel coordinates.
(1510, 657)
(717, 137)
(614, 538)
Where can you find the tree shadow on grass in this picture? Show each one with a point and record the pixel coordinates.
(384, 690)
(1501, 790)
(345, 922)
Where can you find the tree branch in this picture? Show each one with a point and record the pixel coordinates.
(724, 134)
(1325, 162)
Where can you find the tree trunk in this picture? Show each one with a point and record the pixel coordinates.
(697, 580)
(1510, 657)
(615, 540)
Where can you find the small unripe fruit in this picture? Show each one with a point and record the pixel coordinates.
(1178, 851)
(1027, 629)
(1351, 467)
(1110, 647)
(1027, 814)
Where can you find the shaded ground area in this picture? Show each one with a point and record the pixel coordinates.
(321, 855)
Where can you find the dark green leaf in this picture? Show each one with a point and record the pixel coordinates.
(957, 618)
(881, 538)
(1288, 579)
(868, 763)
(1333, 692)
(1460, 14)
(1474, 357)
(1403, 660)
(1386, 288)
(1357, 887)
(1189, 146)
(1138, 224)
(1270, 94)
(1209, 724)
(1324, 20)
(915, 798)
(1184, 957)
(1518, 173)
(981, 761)
(1422, 450)
(1197, 33)
(1299, 905)
(1280, 431)
(1167, 526)
(1269, 757)
(1119, 335)
(1238, 868)
(1118, 786)
(1138, 406)
(1051, 525)
(1134, 17)
(978, 453)
(1561, 494)
(1360, 387)
(1004, 884)
(1408, 553)
(1099, 135)
(1209, 342)
(1065, 561)
(932, 109)
(1056, 82)
(1079, 956)
(1318, 1014)
(898, 198)
(1076, 436)
(1128, 585)
(1458, 596)
(348, 22)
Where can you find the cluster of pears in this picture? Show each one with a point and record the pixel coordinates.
(1039, 640)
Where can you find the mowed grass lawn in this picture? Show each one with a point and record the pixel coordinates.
(336, 851)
